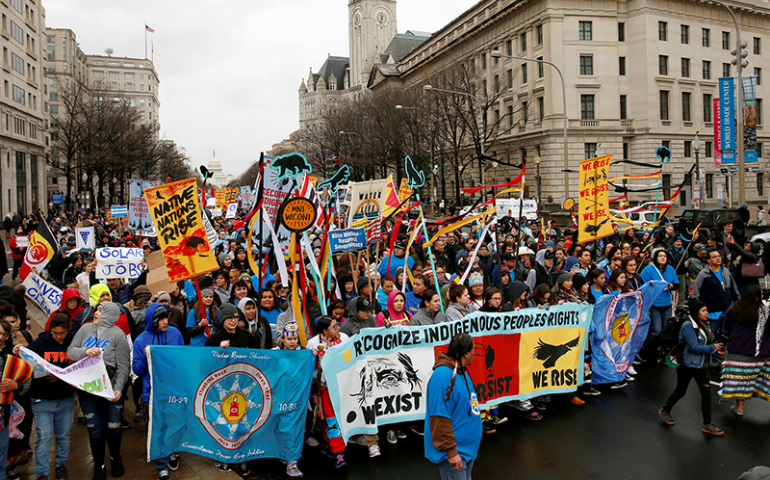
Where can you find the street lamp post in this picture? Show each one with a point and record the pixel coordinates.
(697, 187)
(499, 54)
(481, 120)
(84, 190)
(539, 181)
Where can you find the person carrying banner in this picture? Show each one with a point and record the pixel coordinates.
(103, 417)
(452, 417)
(362, 319)
(290, 341)
(660, 311)
(698, 346)
(396, 313)
(156, 332)
(259, 328)
(53, 400)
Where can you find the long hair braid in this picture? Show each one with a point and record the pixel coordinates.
(461, 344)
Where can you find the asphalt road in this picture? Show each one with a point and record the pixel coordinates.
(615, 436)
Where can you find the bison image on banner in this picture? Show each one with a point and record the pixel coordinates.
(176, 214)
(593, 213)
(380, 375)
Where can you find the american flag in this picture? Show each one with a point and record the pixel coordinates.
(148, 29)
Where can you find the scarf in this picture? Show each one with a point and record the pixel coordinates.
(761, 323)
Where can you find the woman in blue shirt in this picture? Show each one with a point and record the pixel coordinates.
(660, 311)
(597, 279)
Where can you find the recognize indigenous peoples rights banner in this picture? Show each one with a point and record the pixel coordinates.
(88, 375)
(229, 404)
(380, 375)
(112, 262)
(44, 294)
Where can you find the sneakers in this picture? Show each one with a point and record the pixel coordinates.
(312, 442)
(591, 392)
(496, 420)
(61, 473)
(340, 463)
(391, 437)
(244, 468)
(292, 469)
(736, 410)
(619, 385)
(124, 424)
(712, 429)
(117, 467)
(163, 475)
(100, 473)
(418, 431)
(666, 416)
(401, 435)
(638, 360)
(631, 370)
(173, 461)
(223, 467)
(41, 477)
(139, 415)
(487, 428)
(374, 451)
(577, 401)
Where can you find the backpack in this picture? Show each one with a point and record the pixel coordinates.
(669, 338)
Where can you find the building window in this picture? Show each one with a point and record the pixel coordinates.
(524, 42)
(623, 111)
(686, 106)
(726, 70)
(485, 89)
(709, 185)
(759, 111)
(758, 74)
(757, 47)
(539, 31)
(685, 34)
(621, 32)
(725, 40)
(541, 108)
(687, 148)
(666, 185)
(586, 65)
(18, 94)
(509, 47)
(54, 109)
(621, 66)
(626, 150)
(114, 74)
(590, 150)
(510, 78)
(585, 30)
(707, 107)
(706, 35)
(524, 77)
(685, 67)
(17, 63)
(587, 107)
(706, 70)
(709, 149)
(759, 150)
(497, 83)
(17, 4)
(540, 64)
(663, 31)
(53, 96)
(760, 181)
(17, 33)
(662, 64)
(483, 61)
(664, 105)
(525, 111)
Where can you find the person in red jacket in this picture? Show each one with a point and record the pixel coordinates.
(18, 245)
(70, 305)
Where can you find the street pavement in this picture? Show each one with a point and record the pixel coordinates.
(617, 435)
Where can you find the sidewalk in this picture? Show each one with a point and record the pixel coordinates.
(133, 448)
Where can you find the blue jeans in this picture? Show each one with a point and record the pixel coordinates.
(52, 416)
(102, 416)
(448, 472)
(658, 317)
(716, 323)
(3, 443)
(161, 463)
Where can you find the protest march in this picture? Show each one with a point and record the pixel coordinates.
(242, 324)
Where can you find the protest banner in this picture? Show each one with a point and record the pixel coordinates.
(57, 199)
(112, 262)
(42, 248)
(85, 238)
(380, 376)
(220, 197)
(232, 209)
(88, 375)
(348, 240)
(138, 213)
(232, 405)
(367, 199)
(177, 218)
(44, 294)
(404, 192)
(620, 325)
(119, 211)
(22, 241)
(231, 195)
(593, 209)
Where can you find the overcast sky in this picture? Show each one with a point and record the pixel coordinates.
(229, 72)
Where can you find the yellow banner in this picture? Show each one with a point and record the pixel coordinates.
(231, 195)
(176, 214)
(221, 196)
(594, 207)
(404, 192)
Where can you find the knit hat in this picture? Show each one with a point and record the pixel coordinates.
(162, 296)
(550, 243)
(142, 291)
(475, 278)
(695, 305)
(362, 282)
(227, 310)
(290, 330)
(563, 277)
(207, 291)
(159, 314)
(578, 281)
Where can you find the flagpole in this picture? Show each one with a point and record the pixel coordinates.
(145, 39)
(430, 254)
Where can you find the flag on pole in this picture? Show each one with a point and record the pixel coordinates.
(148, 29)
(42, 248)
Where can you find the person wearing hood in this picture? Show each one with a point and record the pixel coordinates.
(543, 273)
(99, 294)
(70, 306)
(396, 313)
(138, 306)
(519, 292)
(259, 328)
(103, 416)
(661, 306)
(72, 271)
(266, 277)
(396, 261)
(677, 258)
(200, 326)
(459, 298)
(739, 257)
(269, 309)
(157, 331)
(53, 400)
(230, 335)
(240, 262)
(362, 318)
(430, 310)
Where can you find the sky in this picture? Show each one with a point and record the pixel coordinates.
(229, 77)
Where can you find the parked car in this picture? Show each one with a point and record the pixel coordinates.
(711, 218)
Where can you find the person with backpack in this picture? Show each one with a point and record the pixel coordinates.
(699, 344)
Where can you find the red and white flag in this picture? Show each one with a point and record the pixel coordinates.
(148, 29)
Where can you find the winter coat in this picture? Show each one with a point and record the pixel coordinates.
(426, 317)
(172, 336)
(456, 312)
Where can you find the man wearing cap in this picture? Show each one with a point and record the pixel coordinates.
(362, 319)
(156, 332)
(543, 273)
(364, 289)
(523, 265)
(396, 260)
(509, 262)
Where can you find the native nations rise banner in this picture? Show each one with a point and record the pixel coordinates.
(177, 217)
(594, 208)
(380, 375)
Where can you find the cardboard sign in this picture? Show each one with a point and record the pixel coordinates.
(44, 294)
(298, 214)
(232, 209)
(118, 262)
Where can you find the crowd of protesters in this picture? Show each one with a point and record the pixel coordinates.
(513, 266)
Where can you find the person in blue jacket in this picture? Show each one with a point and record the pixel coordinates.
(452, 418)
(660, 311)
(156, 332)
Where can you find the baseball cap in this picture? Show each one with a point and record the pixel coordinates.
(363, 304)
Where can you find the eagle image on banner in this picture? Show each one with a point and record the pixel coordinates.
(42, 248)
(620, 325)
(232, 405)
(176, 214)
(593, 210)
(380, 375)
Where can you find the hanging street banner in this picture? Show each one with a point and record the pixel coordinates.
(113, 262)
(138, 214)
(44, 294)
(176, 214)
(88, 375)
(85, 238)
(727, 119)
(593, 209)
(348, 240)
(717, 134)
(380, 375)
(229, 404)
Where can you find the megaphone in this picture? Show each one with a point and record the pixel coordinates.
(205, 172)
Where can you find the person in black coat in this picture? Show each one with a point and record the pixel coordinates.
(230, 335)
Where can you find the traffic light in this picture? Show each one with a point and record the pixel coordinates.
(740, 56)
(435, 165)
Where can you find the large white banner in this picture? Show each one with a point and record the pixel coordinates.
(44, 294)
(118, 262)
(84, 238)
(88, 375)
